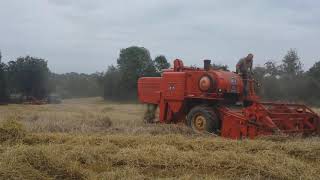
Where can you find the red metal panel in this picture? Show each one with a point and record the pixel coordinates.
(228, 82)
(233, 123)
(149, 90)
(173, 85)
(224, 82)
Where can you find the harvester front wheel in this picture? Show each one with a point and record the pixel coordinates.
(203, 119)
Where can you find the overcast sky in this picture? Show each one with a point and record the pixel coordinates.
(87, 35)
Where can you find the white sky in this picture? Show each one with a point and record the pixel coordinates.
(87, 35)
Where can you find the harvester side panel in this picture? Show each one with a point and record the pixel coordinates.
(192, 87)
(173, 94)
(149, 90)
(173, 85)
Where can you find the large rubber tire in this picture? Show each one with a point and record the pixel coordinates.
(203, 119)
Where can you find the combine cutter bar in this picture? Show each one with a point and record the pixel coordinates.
(293, 118)
(269, 118)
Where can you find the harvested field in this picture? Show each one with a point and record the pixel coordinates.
(93, 139)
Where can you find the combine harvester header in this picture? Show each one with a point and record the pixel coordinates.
(206, 98)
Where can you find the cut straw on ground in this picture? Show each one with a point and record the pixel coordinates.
(91, 139)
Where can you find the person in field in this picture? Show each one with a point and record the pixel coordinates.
(244, 68)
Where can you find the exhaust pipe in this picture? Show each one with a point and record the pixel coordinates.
(206, 64)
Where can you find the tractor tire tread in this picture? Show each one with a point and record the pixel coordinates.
(213, 123)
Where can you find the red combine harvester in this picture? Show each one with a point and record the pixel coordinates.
(206, 98)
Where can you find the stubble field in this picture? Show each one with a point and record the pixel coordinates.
(94, 139)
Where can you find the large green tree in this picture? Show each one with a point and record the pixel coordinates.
(120, 82)
(160, 63)
(29, 76)
(133, 62)
(291, 64)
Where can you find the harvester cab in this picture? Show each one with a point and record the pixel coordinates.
(205, 98)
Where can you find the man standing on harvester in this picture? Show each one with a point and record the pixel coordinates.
(244, 68)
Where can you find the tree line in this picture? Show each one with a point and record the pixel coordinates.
(120, 81)
(26, 75)
(29, 76)
(283, 80)
(287, 81)
(76, 85)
